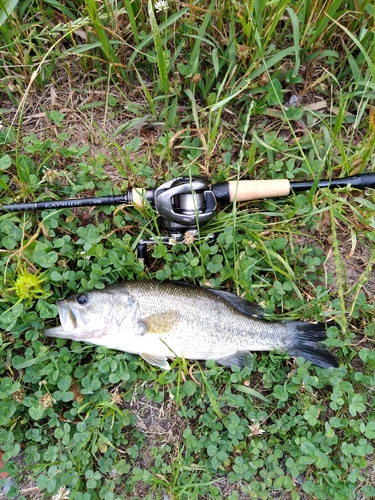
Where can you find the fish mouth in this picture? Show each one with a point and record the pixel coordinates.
(69, 319)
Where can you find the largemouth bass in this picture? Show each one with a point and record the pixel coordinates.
(160, 320)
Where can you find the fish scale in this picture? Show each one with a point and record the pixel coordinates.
(226, 329)
(160, 320)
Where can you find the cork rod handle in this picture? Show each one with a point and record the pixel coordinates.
(255, 190)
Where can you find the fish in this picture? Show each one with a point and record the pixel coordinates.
(161, 320)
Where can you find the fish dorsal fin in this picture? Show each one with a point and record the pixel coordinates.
(240, 304)
(161, 323)
(160, 361)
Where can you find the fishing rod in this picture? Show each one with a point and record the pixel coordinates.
(185, 203)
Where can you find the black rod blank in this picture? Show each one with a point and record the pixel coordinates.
(70, 203)
(361, 181)
(221, 191)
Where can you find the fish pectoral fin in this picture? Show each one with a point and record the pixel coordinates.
(238, 358)
(161, 323)
(160, 361)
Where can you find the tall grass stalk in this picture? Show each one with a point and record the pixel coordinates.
(161, 52)
(194, 59)
(132, 19)
(334, 213)
(102, 34)
(140, 50)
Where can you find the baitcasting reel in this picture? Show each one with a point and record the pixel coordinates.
(182, 205)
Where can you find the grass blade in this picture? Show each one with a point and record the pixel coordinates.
(160, 52)
(296, 39)
(147, 94)
(194, 57)
(7, 8)
(148, 39)
(318, 22)
(368, 59)
(250, 392)
(132, 20)
(101, 33)
(245, 83)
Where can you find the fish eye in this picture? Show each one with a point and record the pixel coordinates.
(82, 299)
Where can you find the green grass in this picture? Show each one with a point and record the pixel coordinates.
(100, 97)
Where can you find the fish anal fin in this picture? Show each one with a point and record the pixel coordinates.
(238, 358)
(160, 361)
(161, 323)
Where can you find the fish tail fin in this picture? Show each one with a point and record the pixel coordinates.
(306, 342)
